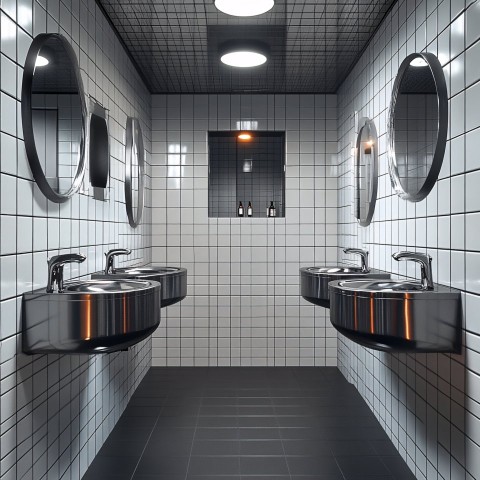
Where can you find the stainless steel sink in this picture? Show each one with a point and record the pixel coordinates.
(173, 280)
(398, 316)
(314, 280)
(92, 316)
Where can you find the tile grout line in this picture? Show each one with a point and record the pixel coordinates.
(148, 439)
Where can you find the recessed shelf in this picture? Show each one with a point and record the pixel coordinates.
(246, 167)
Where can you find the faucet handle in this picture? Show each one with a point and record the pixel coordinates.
(425, 262)
(55, 269)
(110, 256)
(363, 256)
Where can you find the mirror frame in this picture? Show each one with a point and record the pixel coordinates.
(27, 123)
(442, 101)
(366, 122)
(133, 135)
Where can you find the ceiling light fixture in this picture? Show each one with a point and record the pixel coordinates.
(242, 54)
(244, 8)
(418, 62)
(243, 59)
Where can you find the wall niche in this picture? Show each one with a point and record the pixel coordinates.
(247, 167)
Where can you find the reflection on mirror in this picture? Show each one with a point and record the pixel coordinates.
(134, 171)
(53, 117)
(417, 126)
(366, 171)
(99, 157)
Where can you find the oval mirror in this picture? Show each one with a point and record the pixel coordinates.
(418, 125)
(366, 171)
(53, 116)
(134, 171)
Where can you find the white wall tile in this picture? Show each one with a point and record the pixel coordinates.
(425, 420)
(33, 229)
(238, 262)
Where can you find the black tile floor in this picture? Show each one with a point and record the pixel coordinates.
(247, 424)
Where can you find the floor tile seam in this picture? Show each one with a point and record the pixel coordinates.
(148, 440)
(194, 434)
(339, 468)
(393, 474)
(281, 440)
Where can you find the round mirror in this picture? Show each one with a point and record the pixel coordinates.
(53, 117)
(366, 171)
(134, 171)
(418, 125)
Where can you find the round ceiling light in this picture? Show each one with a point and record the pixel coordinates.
(244, 8)
(243, 59)
(243, 54)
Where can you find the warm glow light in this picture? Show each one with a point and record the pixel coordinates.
(244, 8)
(245, 137)
(41, 61)
(418, 62)
(243, 59)
(408, 333)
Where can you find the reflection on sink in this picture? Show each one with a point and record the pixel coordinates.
(103, 286)
(333, 270)
(172, 279)
(397, 316)
(314, 280)
(395, 286)
(92, 316)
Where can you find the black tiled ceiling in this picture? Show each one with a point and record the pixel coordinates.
(313, 43)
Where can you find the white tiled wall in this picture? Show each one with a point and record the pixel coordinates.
(429, 404)
(243, 305)
(55, 411)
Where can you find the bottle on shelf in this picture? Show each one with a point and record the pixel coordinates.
(249, 210)
(271, 211)
(240, 212)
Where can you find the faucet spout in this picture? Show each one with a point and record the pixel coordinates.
(55, 269)
(363, 257)
(110, 257)
(425, 262)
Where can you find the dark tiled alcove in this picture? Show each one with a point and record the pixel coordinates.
(247, 423)
(246, 171)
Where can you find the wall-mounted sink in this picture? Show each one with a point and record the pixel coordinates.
(314, 280)
(398, 316)
(172, 279)
(91, 316)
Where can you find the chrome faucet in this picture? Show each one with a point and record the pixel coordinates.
(110, 256)
(363, 257)
(425, 262)
(55, 269)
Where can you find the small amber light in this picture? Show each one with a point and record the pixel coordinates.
(245, 137)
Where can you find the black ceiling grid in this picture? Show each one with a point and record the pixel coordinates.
(314, 44)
